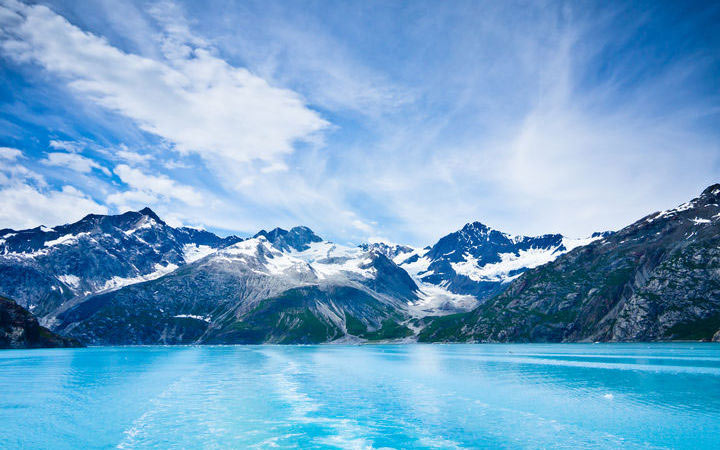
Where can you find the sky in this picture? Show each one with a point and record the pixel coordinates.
(364, 120)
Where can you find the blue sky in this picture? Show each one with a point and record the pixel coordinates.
(392, 120)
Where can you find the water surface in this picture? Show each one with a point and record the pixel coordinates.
(404, 396)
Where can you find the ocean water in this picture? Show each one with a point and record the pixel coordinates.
(385, 396)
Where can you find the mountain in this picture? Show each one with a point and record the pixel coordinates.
(133, 279)
(252, 292)
(478, 261)
(297, 238)
(656, 279)
(42, 267)
(20, 329)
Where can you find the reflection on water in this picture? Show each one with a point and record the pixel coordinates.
(443, 396)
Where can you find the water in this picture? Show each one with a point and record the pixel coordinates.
(412, 396)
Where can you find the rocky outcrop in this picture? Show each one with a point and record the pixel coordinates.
(20, 329)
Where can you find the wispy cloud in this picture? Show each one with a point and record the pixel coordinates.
(153, 187)
(73, 161)
(403, 120)
(191, 98)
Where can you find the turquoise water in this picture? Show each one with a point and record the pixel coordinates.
(404, 396)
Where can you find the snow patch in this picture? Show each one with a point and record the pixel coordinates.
(248, 247)
(700, 221)
(436, 300)
(572, 243)
(193, 316)
(279, 263)
(66, 239)
(418, 267)
(70, 280)
(330, 260)
(118, 282)
(510, 262)
(144, 224)
(193, 252)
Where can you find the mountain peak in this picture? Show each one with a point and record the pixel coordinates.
(476, 226)
(711, 191)
(297, 238)
(146, 211)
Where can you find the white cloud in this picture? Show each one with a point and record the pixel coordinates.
(70, 146)
(132, 157)
(131, 200)
(9, 154)
(28, 201)
(73, 161)
(51, 207)
(192, 98)
(148, 187)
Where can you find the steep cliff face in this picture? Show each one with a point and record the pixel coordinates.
(20, 329)
(657, 279)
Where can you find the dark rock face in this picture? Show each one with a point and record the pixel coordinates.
(43, 268)
(391, 251)
(657, 279)
(311, 315)
(391, 280)
(298, 238)
(20, 329)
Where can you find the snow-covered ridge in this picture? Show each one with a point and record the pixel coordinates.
(144, 223)
(325, 259)
(67, 239)
(511, 265)
(118, 282)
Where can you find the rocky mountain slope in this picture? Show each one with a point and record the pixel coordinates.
(42, 268)
(20, 329)
(657, 279)
(252, 292)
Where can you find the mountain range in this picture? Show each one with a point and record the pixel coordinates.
(134, 279)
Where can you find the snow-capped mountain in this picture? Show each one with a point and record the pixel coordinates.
(131, 278)
(657, 279)
(43, 267)
(297, 238)
(478, 260)
(253, 291)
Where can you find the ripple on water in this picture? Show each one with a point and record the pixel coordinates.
(436, 396)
